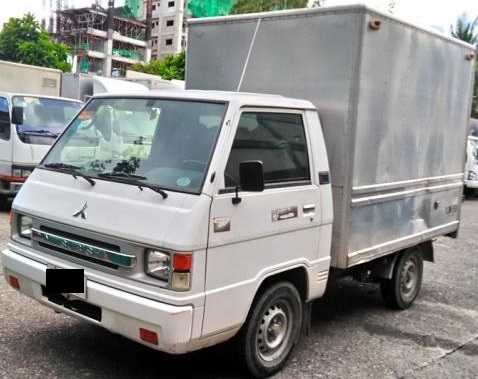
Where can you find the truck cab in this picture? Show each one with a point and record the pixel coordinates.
(199, 198)
(471, 165)
(29, 124)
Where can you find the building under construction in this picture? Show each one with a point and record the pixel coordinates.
(108, 40)
(103, 40)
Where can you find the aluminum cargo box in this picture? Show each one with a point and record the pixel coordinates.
(394, 102)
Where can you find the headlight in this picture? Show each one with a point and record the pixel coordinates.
(158, 264)
(21, 173)
(472, 175)
(174, 267)
(25, 226)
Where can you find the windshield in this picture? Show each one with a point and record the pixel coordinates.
(158, 142)
(473, 147)
(43, 118)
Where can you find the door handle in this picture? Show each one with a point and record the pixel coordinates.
(308, 209)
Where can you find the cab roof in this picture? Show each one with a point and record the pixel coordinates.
(11, 94)
(240, 98)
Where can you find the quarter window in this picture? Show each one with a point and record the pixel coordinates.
(277, 140)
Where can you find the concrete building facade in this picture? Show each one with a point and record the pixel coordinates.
(167, 27)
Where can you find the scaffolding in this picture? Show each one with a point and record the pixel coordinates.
(102, 40)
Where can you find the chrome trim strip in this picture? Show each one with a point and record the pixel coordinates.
(406, 183)
(369, 200)
(87, 250)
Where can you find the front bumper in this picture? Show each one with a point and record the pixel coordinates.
(471, 183)
(9, 188)
(120, 312)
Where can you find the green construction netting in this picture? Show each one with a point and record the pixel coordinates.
(131, 8)
(211, 8)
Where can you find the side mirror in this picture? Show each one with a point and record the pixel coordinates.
(17, 115)
(251, 175)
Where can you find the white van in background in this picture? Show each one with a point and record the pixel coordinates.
(471, 165)
(29, 124)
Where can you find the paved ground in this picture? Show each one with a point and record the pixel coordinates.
(353, 336)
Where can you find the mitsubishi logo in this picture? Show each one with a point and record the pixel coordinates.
(82, 211)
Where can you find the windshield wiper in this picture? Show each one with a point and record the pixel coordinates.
(39, 131)
(70, 169)
(134, 179)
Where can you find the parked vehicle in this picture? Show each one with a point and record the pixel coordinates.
(198, 216)
(471, 166)
(23, 78)
(83, 86)
(29, 124)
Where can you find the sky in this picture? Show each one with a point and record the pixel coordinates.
(433, 13)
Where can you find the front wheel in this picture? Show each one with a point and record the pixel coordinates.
(272, 329)
(3, 203)
(401, 291)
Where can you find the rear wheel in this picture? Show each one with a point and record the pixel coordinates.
(272, 329)
(401, 291)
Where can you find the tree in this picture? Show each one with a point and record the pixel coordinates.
(468, 31)
(465, 30)
(171, 67)
(251, 6)
(23, 40)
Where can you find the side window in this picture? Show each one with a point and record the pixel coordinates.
(4, 120)
(277, 140)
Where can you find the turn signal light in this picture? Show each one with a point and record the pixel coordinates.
(182, 262)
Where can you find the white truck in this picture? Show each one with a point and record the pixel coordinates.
(17, 77)
(471, 165)
(27, 132)
(29, 124)
(83, 86)
(198, 216)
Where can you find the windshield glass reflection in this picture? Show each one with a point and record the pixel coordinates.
(44, 118)
(163, 143)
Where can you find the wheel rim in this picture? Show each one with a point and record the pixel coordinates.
(409, 278)
(273, 334)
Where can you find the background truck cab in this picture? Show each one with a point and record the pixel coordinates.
(29, 124)
(471, 165)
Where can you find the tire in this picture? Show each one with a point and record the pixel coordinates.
(401, 291)
(3, 203)
(271, 330)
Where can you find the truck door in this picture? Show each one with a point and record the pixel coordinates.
(5, 141)
(267, 231)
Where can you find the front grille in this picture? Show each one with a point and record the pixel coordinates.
(91, 250)
(81, 239)
(79, 256)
